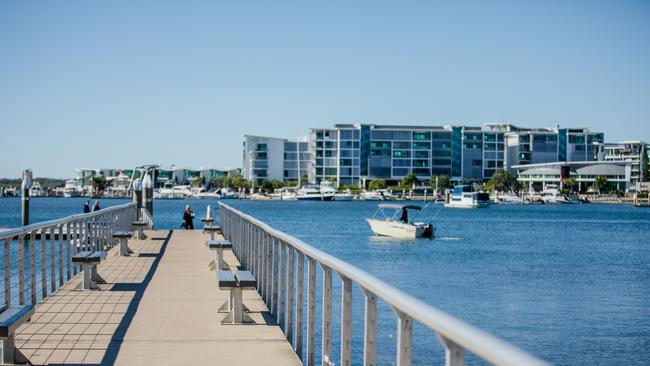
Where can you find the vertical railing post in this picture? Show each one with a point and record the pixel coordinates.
(21, 270)
(276, 282)
(370, 330)
(7, 261)
(291, 294)
(283, 286)
(32, 265)
(44, 263)
(326, 348)
(404, 338)
(454, 354)
(52, 259)
(269, 270)
(346, 320)
(299, 302)
(68, 247)
(311, 310)
(60, 241)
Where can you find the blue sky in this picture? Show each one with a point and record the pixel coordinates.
(123, 83)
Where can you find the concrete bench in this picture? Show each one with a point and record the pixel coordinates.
(11, 317)
(138, 227)
(219, 246)
(235, 282)
(123, 237)
(89, 261)
(211, 229)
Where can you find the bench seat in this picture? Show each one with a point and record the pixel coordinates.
(12, 317)
(235, 282)
(219, 244)
(245, 279)
(88, 257)
(122, 234)
(212, 228)
(226, 280)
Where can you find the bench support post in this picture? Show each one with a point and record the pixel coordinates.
(86, 282)
(8, 349)
(236, 314)
(124, 247)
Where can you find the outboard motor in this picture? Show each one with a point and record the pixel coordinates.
(428, 231)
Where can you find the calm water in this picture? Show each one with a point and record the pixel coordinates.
(570, 284)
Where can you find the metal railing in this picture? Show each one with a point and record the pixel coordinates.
(66, 237)
(272, 256)
(145, 215)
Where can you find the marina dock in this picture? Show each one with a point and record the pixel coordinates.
(159, 306)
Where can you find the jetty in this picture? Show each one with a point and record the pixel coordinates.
(237, 293)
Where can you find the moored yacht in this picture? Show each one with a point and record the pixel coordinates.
(344, 196)
(311, 192)
(464, 196)
(552, 194)
(72, 188)
(36, 190)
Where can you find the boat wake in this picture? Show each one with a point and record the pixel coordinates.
(447, 238)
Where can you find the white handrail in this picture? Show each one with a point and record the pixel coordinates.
(478, 342)
(24, 230)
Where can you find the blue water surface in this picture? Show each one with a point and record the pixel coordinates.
(568, 283)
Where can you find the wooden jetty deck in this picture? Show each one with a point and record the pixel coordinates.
(159, 306)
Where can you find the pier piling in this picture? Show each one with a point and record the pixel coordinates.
(24, 208)
(147, 193)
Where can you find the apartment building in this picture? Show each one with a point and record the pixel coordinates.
(270, 158)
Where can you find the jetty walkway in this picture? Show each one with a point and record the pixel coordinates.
(85, 289)
(158, 306)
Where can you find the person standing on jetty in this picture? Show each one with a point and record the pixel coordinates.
(96, 206)
(188, 217)
(87, 206)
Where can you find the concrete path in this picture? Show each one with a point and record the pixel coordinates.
(159, 307)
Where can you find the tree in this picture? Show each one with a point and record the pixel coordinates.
(276, 184)
(237, 181)
(502, 181)
(304, 178)
(600, 183)
(409, 181)
(99, 184)
(443, 182)
(221, 182)
(377, 184)
(570, 184)
(197, 182)
(267, 186)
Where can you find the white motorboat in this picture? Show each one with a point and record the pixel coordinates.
(310, 192)
(398, 225)
(510, 199)
(36, 190)
(171, 192)
(206, 194)
(464, 196)
(71, 188)
(552, 194)
(379, 195)
(228, 193)
(344, 196)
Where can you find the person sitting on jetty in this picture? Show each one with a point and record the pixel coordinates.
(87, 206)
(188, 217)
(96, 206)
